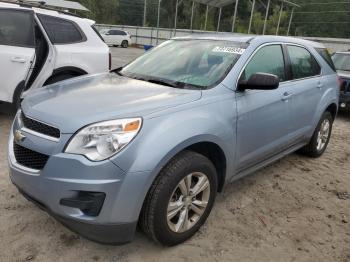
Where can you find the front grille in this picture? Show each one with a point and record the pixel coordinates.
(345, 85)
(29, 158)
(40, 127)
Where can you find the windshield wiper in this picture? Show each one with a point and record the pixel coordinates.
(155, 81)
(160, 82)
(174, 84)
(117, 71)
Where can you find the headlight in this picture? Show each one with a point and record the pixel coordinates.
(102, 140)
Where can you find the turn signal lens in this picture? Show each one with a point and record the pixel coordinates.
(133, 126)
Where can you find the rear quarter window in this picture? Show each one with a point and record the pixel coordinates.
(61, 31)
(303, 63)
(326, 56)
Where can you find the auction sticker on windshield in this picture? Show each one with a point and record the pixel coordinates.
(229, 49)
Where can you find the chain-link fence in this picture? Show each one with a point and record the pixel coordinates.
(315, 18)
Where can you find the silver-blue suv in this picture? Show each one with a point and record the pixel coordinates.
(152, 143)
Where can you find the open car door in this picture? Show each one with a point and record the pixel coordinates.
(17, 51)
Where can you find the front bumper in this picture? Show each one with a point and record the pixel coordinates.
(105, 234)
(65, 175)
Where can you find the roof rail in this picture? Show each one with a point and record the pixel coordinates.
(38, 4)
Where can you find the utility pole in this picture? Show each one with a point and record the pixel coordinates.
(290, 21)
(206, 18)
(234, 16)
(266, 16)
(279, 18)
(158, 21)
(251, 17)
(144, 13)
(192, 15)
(217, 29)
(176, 8)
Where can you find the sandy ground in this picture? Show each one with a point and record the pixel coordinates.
(289, 211)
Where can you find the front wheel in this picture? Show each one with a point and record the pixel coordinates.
(180, 199)
(320, 139)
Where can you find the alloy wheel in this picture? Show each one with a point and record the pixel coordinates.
(188, 202)
(323, 134)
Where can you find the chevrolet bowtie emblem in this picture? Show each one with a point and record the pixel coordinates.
(19, 137)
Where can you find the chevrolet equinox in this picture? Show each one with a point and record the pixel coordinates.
(152, 143)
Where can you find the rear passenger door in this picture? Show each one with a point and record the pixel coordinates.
(307, 88)
(263, 124)
(120, 35)
(17, 50)
(110, 37)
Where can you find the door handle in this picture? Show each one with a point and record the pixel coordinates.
(319, 85)
(18, 60)
(286, 96)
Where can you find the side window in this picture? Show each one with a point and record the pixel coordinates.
(303, 63)
(61, 31)
(16, 28)
(268, 59)
(117, 32)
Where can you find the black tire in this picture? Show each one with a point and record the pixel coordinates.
(125, 44)
(153, 218)
(311, 148)
(59, 78)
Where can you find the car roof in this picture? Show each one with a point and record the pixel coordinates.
(244, 38)
(343, 52)
(47, 11)
(241, 38)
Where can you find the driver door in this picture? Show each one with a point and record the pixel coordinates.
(17, 50)
(263, 124)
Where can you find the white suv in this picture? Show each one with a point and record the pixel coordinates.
(39, 46)
(115, 37)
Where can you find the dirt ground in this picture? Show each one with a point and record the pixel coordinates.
(289, 211)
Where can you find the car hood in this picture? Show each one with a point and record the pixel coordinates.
(75, 103)
(345, 74)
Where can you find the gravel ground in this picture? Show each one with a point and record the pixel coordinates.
(121, 56)
(289, 211)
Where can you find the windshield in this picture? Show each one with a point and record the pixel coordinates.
(341, 61)
(196, 64)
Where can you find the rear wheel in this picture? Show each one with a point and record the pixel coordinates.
(180, 199)
(320, 139)
(58, 78)
(125, 44)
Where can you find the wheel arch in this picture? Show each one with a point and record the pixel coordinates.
(207, 146)
(333, 109)
(216, 155)
(76, 71)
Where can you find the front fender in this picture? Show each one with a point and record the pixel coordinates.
(161, 138)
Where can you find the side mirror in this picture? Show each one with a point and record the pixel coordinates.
(260, 81)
